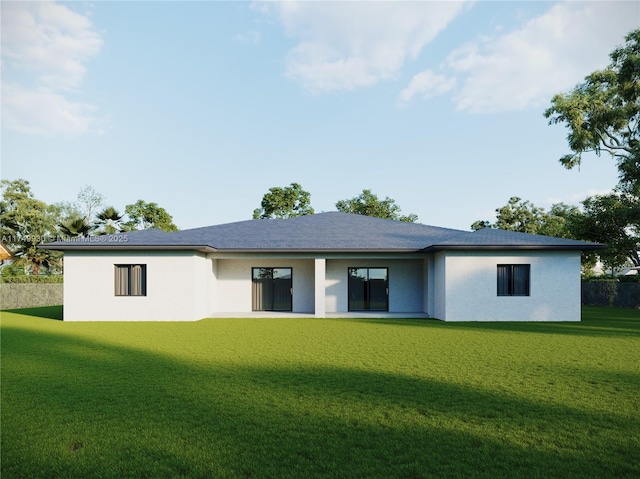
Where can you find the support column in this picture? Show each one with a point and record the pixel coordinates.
(320, 276)
(430, 287)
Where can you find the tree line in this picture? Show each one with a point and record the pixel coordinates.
(291, 201)
(26, 222)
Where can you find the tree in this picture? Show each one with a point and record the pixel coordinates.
(602, 219)
(560, 222)
(27, 222)
(87, 203)
(606, 219)
(516, 215)
(603, 114)
(109, 221)
(287, 202)
(74, 227)
(368, 204)
(143, 215)
(525, 217)
(33, 259)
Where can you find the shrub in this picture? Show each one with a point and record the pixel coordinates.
(629, 278)
(58, 278)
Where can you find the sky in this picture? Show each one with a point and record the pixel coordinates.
(201, 107)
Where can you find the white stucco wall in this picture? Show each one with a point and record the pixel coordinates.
(234, 283)
(405, 283)
(320, 274)
(178, 287)
(452, 286)
(428, 278)
(471, 287)
(439, 283)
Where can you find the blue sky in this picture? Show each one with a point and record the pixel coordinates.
(203, 106)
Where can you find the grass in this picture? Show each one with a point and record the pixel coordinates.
(297, 398)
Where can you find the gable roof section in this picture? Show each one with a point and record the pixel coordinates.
(322, 232)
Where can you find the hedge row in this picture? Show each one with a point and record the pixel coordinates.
(32, 279)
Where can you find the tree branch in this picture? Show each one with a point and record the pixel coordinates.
(611, 148)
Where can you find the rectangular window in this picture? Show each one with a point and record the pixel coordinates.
(514, 279)
(272, 289)
(131, 279)
(368, 289)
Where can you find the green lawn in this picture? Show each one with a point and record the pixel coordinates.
(298, 398)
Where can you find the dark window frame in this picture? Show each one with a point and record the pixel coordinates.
(128, 281)
(367, 294)
(254, 300)
(514, 280)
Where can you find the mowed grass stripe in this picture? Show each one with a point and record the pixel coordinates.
(290, 397)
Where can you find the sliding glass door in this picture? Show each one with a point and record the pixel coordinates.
(272, 289)
(368, 289)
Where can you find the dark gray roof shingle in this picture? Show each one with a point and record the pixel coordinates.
(332, 231)
(489, 238)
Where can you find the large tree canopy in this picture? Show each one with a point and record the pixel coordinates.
(368, 204)
(603, 114)
(602, 219)
(26, 222)
(143, 215)
(525, 217)
(610, 219)
(287, 202)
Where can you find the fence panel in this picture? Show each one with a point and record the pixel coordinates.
(30, 295)
(610, 293)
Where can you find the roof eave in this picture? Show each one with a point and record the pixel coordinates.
(318, 250)
(436, 248)
(127, 247)
(210, 249)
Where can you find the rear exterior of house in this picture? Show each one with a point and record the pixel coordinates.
(329, 264)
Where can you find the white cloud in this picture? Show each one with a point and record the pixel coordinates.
(427, 84)
(577, 198)
(549, 54)
(43, 112)
(45, 47)
(248, 38)
(348, 45)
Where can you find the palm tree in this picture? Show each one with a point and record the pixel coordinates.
(34, 258)
(109, 221)
(74, 227)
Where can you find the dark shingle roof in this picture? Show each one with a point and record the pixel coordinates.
(489, 238)
(331, 231)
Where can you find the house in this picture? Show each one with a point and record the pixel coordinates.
(327, 264)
